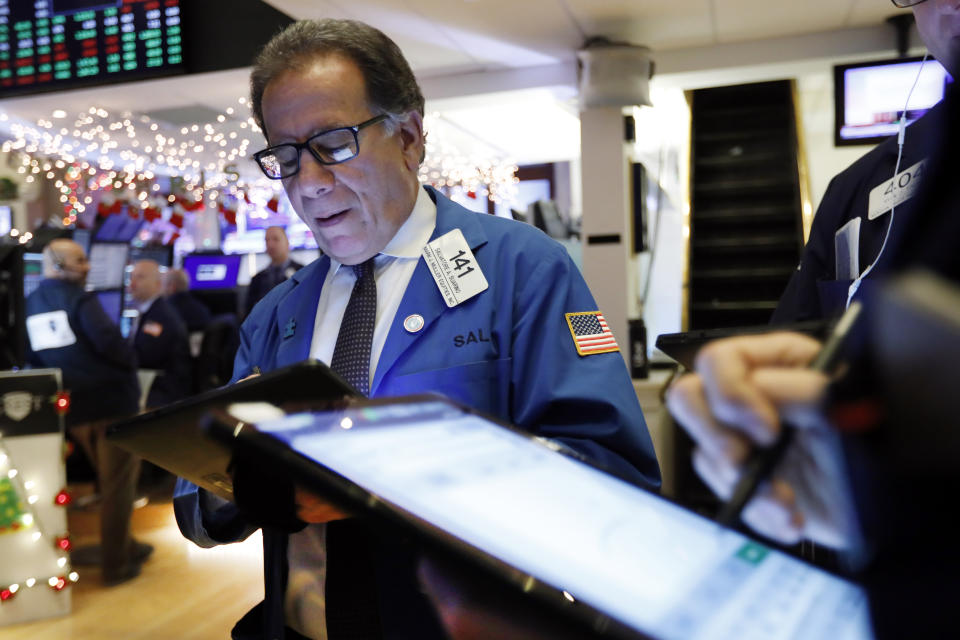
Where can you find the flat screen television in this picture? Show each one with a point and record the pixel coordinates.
(212, 271)
(870, 96)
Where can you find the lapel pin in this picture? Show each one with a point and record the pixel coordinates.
(413, 323)
(289, 328)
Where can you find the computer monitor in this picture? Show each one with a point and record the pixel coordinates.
(6, 220)
(32, 272)
(83, 237)
(212, 271)
(161, 254)
(117, 228)
(112, 302)
(107, 262)
(870, 96)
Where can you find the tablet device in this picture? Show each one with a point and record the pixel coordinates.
(684, 346)
(628, 562)
(171, 437)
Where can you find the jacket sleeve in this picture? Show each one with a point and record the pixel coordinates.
(103, 335)
(207, 519)
(585, 402)
(203, 517)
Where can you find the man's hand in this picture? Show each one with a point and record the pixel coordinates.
(742, 389)
(314, 509)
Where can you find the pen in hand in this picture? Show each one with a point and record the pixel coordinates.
(760, 466)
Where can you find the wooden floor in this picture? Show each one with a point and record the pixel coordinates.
(183, 592)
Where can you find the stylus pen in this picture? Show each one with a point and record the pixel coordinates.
(761, 465)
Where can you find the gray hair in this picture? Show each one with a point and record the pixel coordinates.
(391, 86)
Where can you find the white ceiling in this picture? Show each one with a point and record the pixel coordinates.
(461, 47)
(443, 35)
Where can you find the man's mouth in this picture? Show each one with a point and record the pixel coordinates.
(330, 219)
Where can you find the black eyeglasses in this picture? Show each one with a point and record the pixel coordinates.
(328, 147)
(903, 4)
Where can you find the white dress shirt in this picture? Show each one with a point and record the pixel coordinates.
(393, 268)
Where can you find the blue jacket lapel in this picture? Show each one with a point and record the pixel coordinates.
(422, 296)
(297, 312)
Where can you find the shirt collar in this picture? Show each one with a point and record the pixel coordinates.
(144, 306)
(413, 234)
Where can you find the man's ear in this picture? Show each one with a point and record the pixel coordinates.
(412, 140)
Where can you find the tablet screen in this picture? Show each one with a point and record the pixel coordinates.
(637, 558)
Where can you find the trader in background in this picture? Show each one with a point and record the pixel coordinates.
(280, 268)
(176, 288)
(159, 337)
(70, 331)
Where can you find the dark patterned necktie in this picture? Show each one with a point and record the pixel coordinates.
(351, 355)
(351, 585)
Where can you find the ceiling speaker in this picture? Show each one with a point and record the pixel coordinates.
(614, 74)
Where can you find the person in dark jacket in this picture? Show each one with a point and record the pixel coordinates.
(70, 331)
(845, 216)
(176, 288)
(280, 268)
(159, 337)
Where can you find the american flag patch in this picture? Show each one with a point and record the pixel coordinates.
(590, 333)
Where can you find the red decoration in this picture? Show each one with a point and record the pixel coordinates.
(63, 543)
(62, 403)
(229, 215)
(190, 205)
(7, 594)
(176, 219)
(150, 214)
(60, 584)
(63, 498)
(274, 204)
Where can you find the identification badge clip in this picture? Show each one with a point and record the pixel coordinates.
(454, 268)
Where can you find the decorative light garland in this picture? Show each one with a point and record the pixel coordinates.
(24, 491)
(491, 174)
(100, 152)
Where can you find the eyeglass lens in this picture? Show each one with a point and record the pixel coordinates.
(330, 147)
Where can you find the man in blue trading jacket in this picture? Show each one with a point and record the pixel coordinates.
(342, 112)
(69, 330)
(848, 215)
(159, 336)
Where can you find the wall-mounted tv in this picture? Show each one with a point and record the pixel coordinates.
(870, 96)
(212, 271)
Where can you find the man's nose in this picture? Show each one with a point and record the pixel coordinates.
(315, 178)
